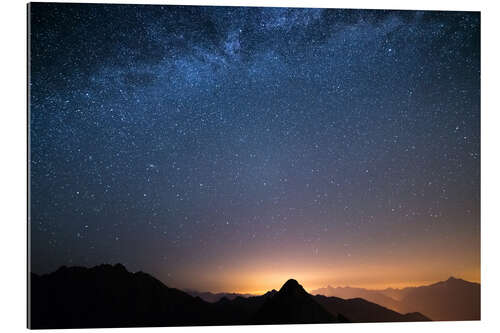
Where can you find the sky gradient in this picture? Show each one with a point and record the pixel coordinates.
(233, 148)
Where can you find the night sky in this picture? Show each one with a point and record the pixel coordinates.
(232, 148)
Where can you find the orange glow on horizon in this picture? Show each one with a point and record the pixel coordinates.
(262, 266)
(374, 278)
(375, 286)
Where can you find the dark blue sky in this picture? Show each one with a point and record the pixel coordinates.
(226, 148)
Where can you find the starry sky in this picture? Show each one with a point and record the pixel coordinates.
(232, 148)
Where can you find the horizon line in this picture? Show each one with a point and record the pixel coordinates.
(310, 290)
(262, 292)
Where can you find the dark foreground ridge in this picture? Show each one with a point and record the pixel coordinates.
(111, 296)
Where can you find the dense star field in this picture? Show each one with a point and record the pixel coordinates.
(232, 148)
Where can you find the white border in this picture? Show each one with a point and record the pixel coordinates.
(13, 166)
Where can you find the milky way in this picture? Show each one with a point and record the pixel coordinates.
(225, 148)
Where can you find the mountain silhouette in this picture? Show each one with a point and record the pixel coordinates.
(360, 310)
(214, 297)
(111, 296)
(375, 296)
(453, 299)
(293, 305)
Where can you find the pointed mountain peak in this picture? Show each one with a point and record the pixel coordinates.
(292, 305)
(292, 287)
(292, 283)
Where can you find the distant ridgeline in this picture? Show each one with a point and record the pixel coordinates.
(453, 299)
(110, 296)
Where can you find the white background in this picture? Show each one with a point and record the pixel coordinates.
(13, 167)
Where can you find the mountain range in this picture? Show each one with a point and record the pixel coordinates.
(111, 296)
(453, 299)
(214, 297)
